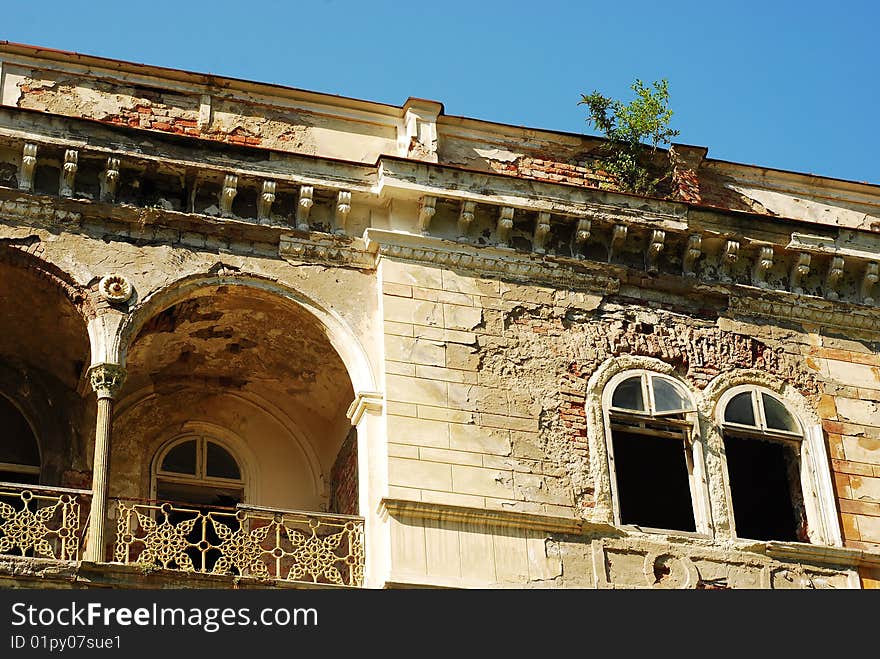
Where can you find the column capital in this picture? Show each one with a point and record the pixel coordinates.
(107, 379)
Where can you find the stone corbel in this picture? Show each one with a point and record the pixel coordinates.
(692, 253)
(868, 280)
(504, 226)
(655, 246)
(267, 198)
(68, 173)
(728, 259)
(832, 279)
(542, 230)
(227, 194)
(364, 401)
(28, 165)
(465, 218)
(426, 212)
(618, 238)
(762, 266)
(109, 180)
(799, 271)
(581, 235)
(343, 208)
(304, 207)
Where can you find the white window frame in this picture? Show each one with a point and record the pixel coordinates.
(694, 457)
(815, 477)
(200, 478)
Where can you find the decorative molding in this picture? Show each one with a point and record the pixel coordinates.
(504, 226)
(28, 165)
(426, 212)
(423, 510)
(618, 238)
(542, 230)
(68, 173)
(364, 401)
(227, 194)
(806, 311)
(107, 379)
(762, 266)
(343, 209)
(267, 198)
(329, 250)
(115, 289)
(822, 554)
(799, 271)
(465, 218)
(692, 253)
(109, 180)
(832, 279)
(655, 246)
(488, 260)
(868, 280)
(33, 210)
(304, 207)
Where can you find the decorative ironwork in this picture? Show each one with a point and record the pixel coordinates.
(264, 543)
(40, 522)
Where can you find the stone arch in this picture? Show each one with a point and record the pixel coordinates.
(242, 350)
(349, 348)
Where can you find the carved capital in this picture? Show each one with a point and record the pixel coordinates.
(799, 271)
(227, 194)
(343, 209)
(692, 252)
(763, 263)
(655, 246)
(68, 173)
(618, 238)
(28, 164)
(304, 207)
(107, 379)
(109, 180)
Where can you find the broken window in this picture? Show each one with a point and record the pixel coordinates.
(651, 452)
(762, 445)
(19, 452)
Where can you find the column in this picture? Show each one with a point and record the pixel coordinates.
(107, 381)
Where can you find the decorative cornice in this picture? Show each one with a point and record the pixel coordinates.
(805, 310)
(107, 379)
(26, 210)
(364, 401)
(491, 261)
(332, 251)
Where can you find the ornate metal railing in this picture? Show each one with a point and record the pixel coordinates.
(42, 522)
(252, 541)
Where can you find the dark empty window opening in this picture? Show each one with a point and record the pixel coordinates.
(651, 452)
(652, 481)
(765, 489)
(19, 452)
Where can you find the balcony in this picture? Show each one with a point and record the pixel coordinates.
(214, 546)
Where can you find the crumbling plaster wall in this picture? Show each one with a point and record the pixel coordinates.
(487, 383)
(219, 117)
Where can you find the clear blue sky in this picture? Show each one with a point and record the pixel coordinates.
(787, 84)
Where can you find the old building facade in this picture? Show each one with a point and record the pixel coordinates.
(256, 335)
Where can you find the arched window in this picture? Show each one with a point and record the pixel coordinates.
(655, 463)
(19, 451)
(200, 471)
(762, 444)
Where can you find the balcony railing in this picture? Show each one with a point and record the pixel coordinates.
(42, 522)
(250, 541)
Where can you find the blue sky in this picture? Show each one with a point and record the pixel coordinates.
(793, 85)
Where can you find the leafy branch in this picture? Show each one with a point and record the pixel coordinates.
(631, 127)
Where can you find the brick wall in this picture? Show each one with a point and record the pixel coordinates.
(344, 478)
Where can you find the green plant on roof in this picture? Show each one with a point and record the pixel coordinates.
(634, 131)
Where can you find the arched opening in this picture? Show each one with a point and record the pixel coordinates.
(762, 448)
(232, 451)
(44, 351)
